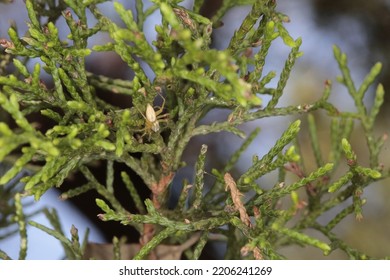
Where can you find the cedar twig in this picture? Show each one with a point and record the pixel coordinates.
(236, 197)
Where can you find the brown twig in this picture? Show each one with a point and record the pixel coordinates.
(158, 189)
(236, 197)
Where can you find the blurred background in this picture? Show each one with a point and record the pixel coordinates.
(360, 28)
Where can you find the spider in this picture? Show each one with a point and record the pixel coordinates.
(153, 118)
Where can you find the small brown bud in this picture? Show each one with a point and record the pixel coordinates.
(68, 14)
(6, 44)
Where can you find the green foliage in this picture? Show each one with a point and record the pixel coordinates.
(194, 79)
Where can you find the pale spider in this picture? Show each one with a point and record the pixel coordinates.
(153, 118)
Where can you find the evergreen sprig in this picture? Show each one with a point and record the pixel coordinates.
(190, 78)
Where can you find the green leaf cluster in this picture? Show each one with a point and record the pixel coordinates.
(191, 78)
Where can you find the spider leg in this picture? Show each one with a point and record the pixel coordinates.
(162, 118)
(160, 108)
